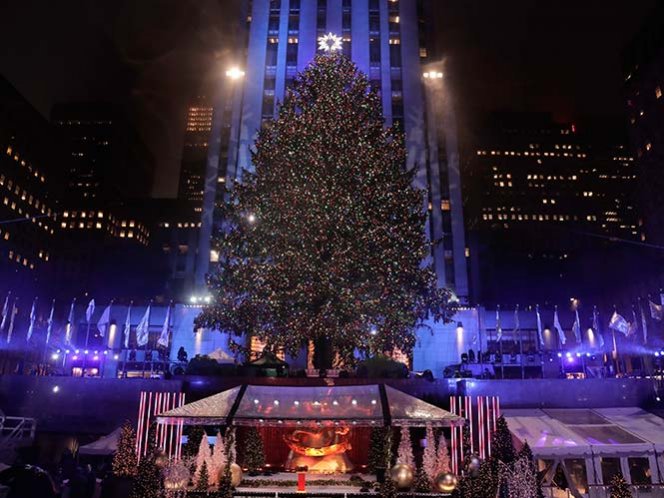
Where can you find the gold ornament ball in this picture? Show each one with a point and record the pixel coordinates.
(236, 475)
(403, 475)
(445, 483)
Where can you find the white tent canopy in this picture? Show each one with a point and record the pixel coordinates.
(221, 356)
(600, 432)
(105, 445)
(291, 406)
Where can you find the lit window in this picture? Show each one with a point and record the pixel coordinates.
(658, 92)
(648, 146)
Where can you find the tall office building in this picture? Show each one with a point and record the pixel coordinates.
(546, 201)
(644, 95)
(194, 150)
(387, 39)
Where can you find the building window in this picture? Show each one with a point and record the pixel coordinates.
(291, 53)
(374, 50)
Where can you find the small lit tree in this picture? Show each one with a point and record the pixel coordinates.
(527, 454)
(442, 456)
(254, 452)
(203, 482)
(218, 460)
(422, 484)
(405, 450)
(502, 446)
(619, 487)
(148, 482)
(124, 460)
(429, 460)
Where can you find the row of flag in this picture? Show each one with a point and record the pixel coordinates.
(617, 323)
(10, 310)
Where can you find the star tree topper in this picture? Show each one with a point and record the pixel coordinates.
(329, 42)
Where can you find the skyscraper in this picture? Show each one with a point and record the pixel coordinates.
(194, 151)
(387, 39)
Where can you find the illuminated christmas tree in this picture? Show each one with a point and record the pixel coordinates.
(405, 450)
(148, 482)
(442, 457)
(325, 241)
(203, 482)
(124, 460)
(502, 446)
(429, 460)
(526, 454)
(253, 450)
(619, 487)
(218, 460)
(422, 484)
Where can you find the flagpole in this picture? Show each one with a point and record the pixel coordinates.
(523, 366)
(128, 332)
(145, 352)
(500, 347)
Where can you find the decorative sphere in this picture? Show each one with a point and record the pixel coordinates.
(176, 476)
(160, 459)
(445, 483)
(402, 475)
(236, 475)
(474, 465)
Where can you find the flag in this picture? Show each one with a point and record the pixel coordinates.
(539, 325)
(619, 324)
(163, 338)
(127, 327)
(104, 321)
(49, 324)
(143, 328)
(656, 311)
(90, 310)
(33, 319)
(70, 322)
(633, 325)
(517, 324)
(14, 312)
(558, 327)
(644, 324)
(5, 311)
(499, 328)
(576, 327)
(597, 327)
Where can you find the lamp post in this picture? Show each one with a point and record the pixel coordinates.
(233, 75)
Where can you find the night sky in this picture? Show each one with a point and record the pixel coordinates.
(151, 56)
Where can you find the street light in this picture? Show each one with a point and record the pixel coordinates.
(235, 73)
(433, 75)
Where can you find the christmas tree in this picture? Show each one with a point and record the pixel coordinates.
(388, 489)
(442, 457)
(325, 241)
(148, 482)
(203, 482)
(519, 479)
(429, 461)
(226, 483)
(191, 447)
(405, 450)
(218, 460)
(502, 446)
(422, 484)
(619, 487)
(124, 460)
(203, 456)
(526, 454)
(254, 453)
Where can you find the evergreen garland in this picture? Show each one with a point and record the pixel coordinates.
(225, 483)
(380, 449)
(325, 241)
(619, 487)
(124, 460)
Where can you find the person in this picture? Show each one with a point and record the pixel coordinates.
(182, 355)
(471, 356)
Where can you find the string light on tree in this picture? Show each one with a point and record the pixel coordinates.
(330, 42)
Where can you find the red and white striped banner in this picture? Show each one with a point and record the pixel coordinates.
(482, 413)
(167, 437)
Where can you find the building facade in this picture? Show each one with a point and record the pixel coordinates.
(195, 150)
(388, 42)
(546, 202)
(644, 96)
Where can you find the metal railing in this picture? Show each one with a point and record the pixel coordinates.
(604, 491)
(14, 429)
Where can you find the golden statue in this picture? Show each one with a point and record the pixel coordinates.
(321, 450)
